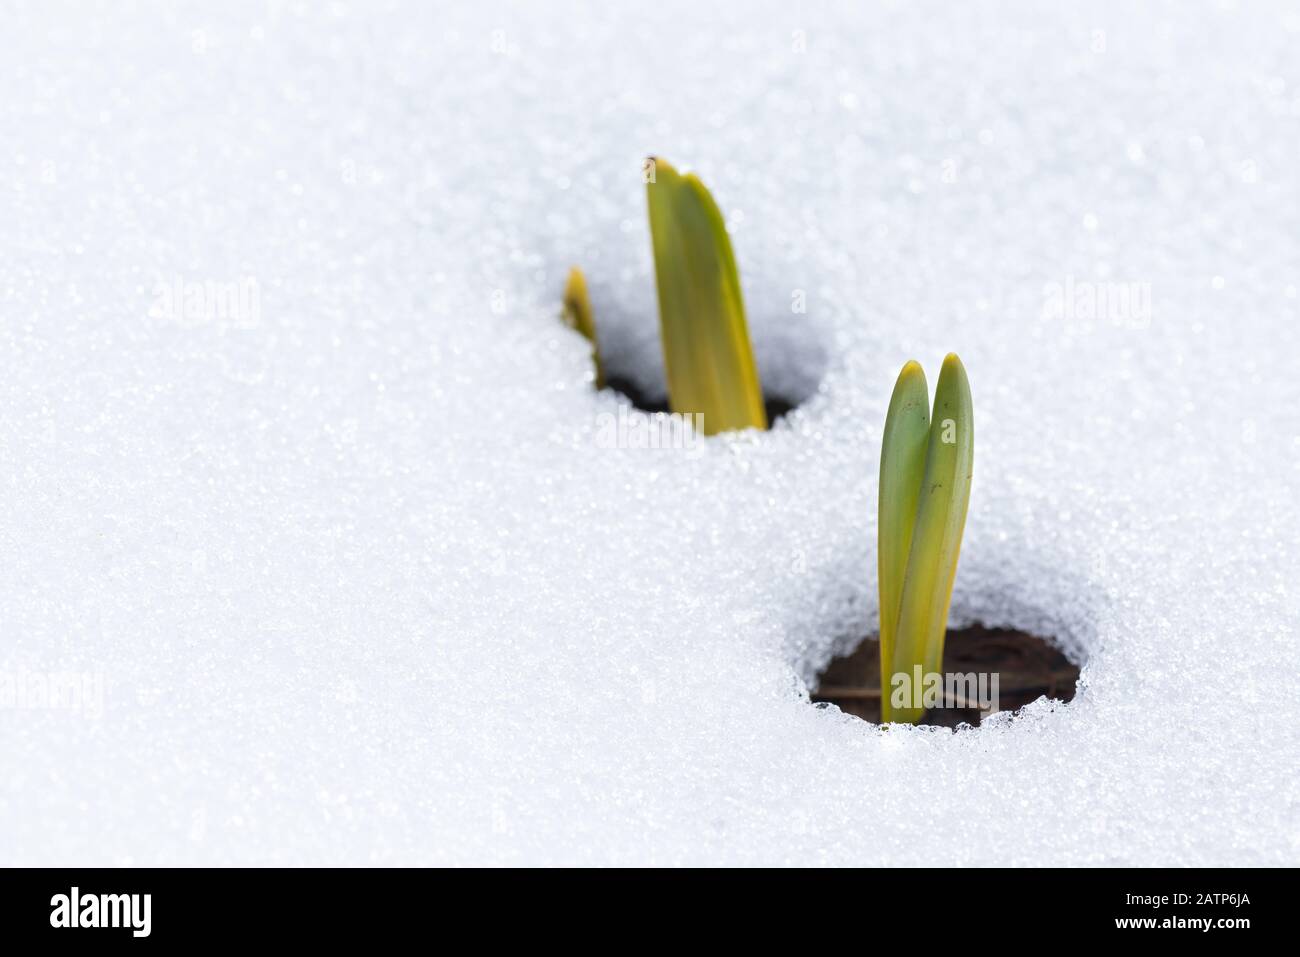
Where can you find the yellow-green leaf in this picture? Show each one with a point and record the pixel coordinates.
(707, 356)
(578, 315)
(902, 467)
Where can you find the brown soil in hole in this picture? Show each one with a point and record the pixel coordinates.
(776, 407)
(1027, 668)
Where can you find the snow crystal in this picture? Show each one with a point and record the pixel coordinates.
(311, 553)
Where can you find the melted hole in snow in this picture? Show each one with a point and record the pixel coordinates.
(776, 406)
(787, 348)
(1026, 667)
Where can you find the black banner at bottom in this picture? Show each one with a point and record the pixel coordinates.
(936, 909)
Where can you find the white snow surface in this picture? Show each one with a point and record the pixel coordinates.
(363, 586)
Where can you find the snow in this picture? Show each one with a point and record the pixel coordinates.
(358, 584)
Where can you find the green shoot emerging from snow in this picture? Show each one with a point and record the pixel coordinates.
(707, 356)
(577, 315)
(925, 478)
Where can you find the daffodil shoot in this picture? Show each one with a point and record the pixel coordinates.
(926, 460)
(708, 361)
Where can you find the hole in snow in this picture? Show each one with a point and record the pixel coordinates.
(648, 402)
(787, 346)
(1026, 668)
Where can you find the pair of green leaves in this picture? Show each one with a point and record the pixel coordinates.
(925, 478)
(707, 355)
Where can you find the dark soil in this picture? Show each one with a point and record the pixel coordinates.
(1027, 668)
